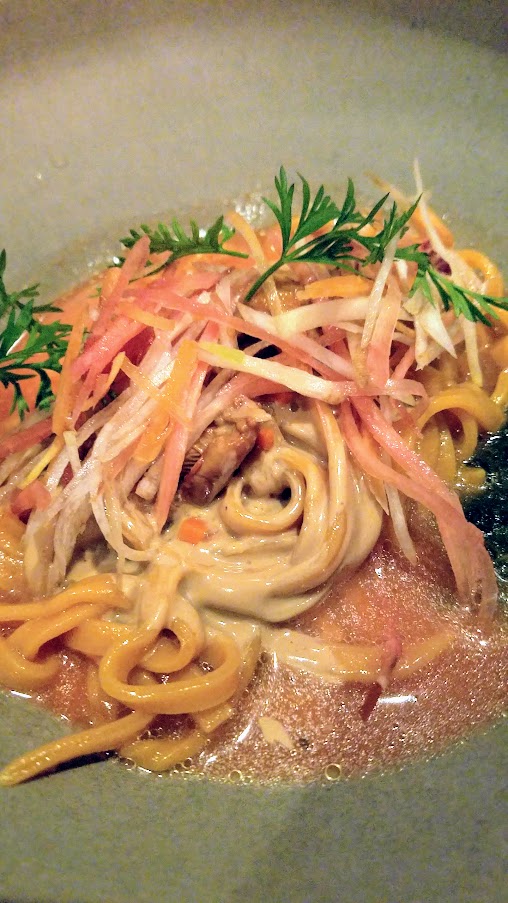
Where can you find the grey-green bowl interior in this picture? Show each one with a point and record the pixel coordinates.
(114, 111)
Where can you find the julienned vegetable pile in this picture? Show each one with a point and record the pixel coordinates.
(320, 232)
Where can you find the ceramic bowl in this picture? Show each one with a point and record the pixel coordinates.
(111, 112)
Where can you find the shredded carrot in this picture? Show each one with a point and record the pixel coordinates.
(347, 286)
(250, 236)
(192, 529)
(115, 285)
(283, 397)
(187, 265)
(71, 304)
(33, 496)
(25, 438)
(266, 438)
(173, 457)
(109, 281)
(176, 388)
(139, 379)
(66, 385)
(104, 382)
(271, 242)
(128, 309)
(170, 403)
(151, 442)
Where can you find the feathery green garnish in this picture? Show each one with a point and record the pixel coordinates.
(333, 247)
(18, 324)
(472, 305)
(174, 239)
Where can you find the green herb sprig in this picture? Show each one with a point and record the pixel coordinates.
(174, 239)
(18, 325)
(335, 247)
(431, 283)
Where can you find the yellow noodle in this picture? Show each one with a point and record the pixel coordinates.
(162, 754)
(85, 743)
(467, 444)
(249, 664)
(500, 393)
(20, 674)
(105, 708)
(488, 270)
(92, 589)
(315, 519)
(467, 397)
(471, 478)
(296, 546)
(94, 638)
(32, 635)
(241, 521)
(185, 693)
(93, 688)
(166, 656)
(344, 662)
(446, 465)
(420, 654)
(429, 444)
(210, 719)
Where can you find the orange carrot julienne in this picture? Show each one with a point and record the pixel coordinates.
(285, 396)
(36, 495)
(346, 286)
(170, 404)
(186, 264)
(266, 437)
(129, 309)
(192, 529)
(172, 460)
(66, 385)
(25, 438)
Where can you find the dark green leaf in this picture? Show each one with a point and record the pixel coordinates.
(178, 243)
(21, 328)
